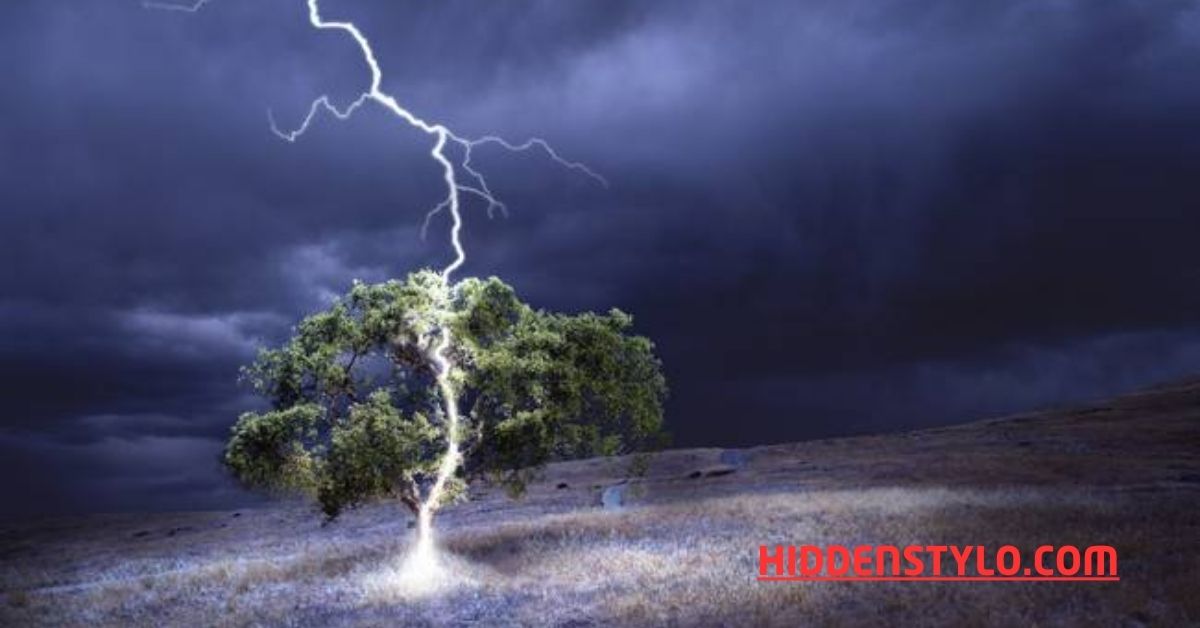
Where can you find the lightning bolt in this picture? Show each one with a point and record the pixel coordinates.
(460, 178)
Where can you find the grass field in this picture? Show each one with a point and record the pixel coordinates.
(682, 550)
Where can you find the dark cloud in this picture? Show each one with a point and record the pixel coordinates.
(833, 216)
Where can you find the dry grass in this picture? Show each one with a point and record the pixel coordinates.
(679, 563)
(685, 553)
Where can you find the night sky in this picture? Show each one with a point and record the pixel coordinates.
(833, 216)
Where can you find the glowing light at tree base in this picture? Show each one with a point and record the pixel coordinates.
(422, 571)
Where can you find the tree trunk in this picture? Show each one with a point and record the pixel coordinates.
(410, 495)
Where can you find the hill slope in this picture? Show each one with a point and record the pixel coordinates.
(679, 545)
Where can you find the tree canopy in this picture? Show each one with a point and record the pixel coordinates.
(356, 414)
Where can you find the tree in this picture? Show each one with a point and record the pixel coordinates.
(358, 412)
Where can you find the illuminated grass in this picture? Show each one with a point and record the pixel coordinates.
(690, 561)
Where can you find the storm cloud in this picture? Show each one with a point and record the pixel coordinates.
(833, 217)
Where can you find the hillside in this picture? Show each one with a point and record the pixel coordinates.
(679, 545)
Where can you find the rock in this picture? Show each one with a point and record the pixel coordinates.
(562, 485)
(613, 497)
(736, 458)
(140, 533)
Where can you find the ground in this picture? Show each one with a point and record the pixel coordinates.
(682, 547)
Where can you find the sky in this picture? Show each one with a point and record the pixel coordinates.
(833, 217)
